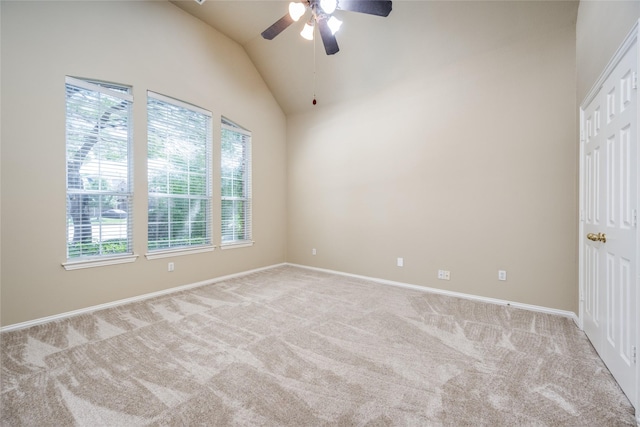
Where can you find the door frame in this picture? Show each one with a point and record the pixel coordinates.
(627, 44)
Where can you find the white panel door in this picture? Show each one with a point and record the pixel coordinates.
(609, 254)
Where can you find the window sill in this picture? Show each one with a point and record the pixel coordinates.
(243, 244)
(178, 252)
(98, 262)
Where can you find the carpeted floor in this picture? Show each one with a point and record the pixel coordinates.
(290, 346)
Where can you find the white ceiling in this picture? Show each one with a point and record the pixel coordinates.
(374, 51)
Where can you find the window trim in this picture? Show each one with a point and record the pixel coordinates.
(171, 252)
(99, 262)
(90, 261)
(178, 103)
(95, 86)
(237, 244)
(228, 125)
(184, 250)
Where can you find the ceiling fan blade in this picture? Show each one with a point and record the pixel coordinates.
(372, 7)
(279, 26)
(328, 39)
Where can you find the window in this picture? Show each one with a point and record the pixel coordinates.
(179, 174)
(98, 144)
(236, 184)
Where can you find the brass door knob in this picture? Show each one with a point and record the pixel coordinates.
(600, 237)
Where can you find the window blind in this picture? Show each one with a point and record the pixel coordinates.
(99, 192)
(179, 174)
(235, 175)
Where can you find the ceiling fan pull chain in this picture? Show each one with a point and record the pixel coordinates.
(314, 66)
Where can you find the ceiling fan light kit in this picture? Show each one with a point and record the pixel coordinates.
(334, 24)
(328, 6)
(322, 15)
(307, 31)
(296, 10)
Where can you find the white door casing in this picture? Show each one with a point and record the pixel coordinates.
(609, 239)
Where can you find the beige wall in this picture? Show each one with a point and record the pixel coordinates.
(149, 45)
(467, 164)
(600, 29)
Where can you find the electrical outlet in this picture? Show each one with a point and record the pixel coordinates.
(400, 262)
(313, 251)
(444, 275)
(171, 266)
(502, 275)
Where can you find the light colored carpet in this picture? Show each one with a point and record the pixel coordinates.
(290, 346)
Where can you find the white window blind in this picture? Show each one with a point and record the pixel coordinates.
(235, 174)
(98, 146)
(179, 174)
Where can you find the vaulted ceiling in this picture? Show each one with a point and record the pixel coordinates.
(374, 51)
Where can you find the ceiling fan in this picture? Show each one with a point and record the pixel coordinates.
(322, 15)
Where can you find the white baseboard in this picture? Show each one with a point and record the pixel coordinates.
(569, 314)
(93, 308)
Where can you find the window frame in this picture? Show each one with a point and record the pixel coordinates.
(119, 91)
(178, 249)
(228, 125)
